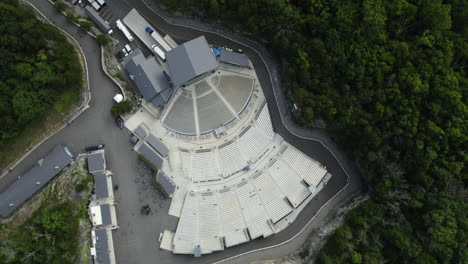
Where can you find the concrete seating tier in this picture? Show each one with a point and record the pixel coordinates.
(255, 215)
(272, 198)
(231, 158)
(311, 171)
(290, 183)
(254, 142)
(181, 117)
(236, 90)
(204, 167)
(212, 112)
(210, 238)
(202, 88)
(233, 227)
(187, 235)
(264, 121)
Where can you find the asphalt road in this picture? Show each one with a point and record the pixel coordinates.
(136, 239)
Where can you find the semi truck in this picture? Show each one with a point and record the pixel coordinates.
(124, 30)
(159, 39)
(100, 23)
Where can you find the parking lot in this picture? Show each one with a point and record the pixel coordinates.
(111, 14)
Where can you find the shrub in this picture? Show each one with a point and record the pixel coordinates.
(60, 5)
(103, 39)
(70, 16)
(86, 25)
(119, 76)
(122, 108)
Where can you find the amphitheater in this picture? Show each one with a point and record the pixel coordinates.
(231, 178)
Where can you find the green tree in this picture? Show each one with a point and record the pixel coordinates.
(60, 5)
(122, 108)
(70, 16)
(27, 105)
(103, 39)
(356, 258)
(86, 25)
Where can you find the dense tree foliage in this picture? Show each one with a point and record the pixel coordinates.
(37, 66)
(103, 39)
(389, 79)
(122, 108)
(50, 236)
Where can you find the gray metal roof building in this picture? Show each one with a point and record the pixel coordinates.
(100, 23)
(150, 155)
(106, 214)
(189, 60)
(140, 132)
(165, 182)
(148, 77)
(157, 145)
(33, 180)
(234, 58)
(96, 162)
(101, 187)
(102, 247)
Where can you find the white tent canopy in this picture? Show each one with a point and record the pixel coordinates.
(118, 98)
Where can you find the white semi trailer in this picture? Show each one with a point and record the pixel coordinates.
(159, 39)
(124, 30)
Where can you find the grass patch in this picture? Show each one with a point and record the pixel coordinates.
(66, 101)
(120, 76)
(83, 184)
(34, 132)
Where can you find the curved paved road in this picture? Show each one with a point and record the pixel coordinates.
(96, 126)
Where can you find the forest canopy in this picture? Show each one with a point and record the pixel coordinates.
(37, 66)
(389, 81)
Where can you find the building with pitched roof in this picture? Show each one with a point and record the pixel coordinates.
(96, 161)
(103, 249)
(189, 61)
(148, 77)
(234, 58)
(33, 180)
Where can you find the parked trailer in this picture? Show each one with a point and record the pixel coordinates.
(96, 6)
(159, 39)
(159, 52)
(100, 23)
(124, 30)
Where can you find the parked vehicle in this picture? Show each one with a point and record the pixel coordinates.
(127, 47)
(159, 39)
(167, 76)
(124, 30)
(149, 30)
(125, 53)
(120, 55)
(96, 6)
(120, 122)
(67, 150)
(94, 148)
(159, 52)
